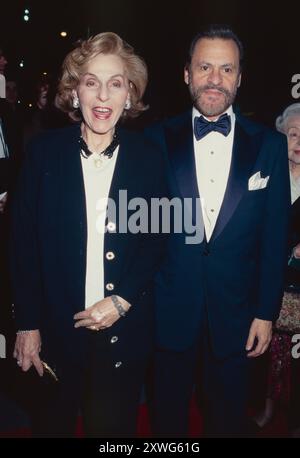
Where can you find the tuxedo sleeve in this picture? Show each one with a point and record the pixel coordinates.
(24, 251)
(274, 242)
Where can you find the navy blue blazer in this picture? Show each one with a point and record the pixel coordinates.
(239, 274)
(49, 238)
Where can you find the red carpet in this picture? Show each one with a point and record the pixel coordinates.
(276, 428)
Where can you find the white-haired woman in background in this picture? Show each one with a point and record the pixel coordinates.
(284, 370)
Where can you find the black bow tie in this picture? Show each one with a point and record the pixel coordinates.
(202, 127)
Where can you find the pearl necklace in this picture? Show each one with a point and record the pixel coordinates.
(105, 154)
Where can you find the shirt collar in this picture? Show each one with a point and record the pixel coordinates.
(229, 111)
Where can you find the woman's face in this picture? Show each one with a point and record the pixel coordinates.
(102, 91)
(293, 136)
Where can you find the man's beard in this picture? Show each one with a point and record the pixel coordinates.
(212, 109)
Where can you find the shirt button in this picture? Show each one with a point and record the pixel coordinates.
(118, 364)
(114, 339)
(212, 152)
(110, 255)
(212, 210)
(110, 286)
(212, 181)
(111, 227)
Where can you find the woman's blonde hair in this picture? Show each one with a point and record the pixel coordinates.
(76, 60)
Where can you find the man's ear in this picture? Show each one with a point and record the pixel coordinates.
(240, 80)
(186, 75)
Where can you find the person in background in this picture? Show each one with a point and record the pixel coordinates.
(3, 61)
(43, 115)
(12, 93)
(10, 158)
(284, 370)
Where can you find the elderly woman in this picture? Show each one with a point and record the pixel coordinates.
(76, 266)
(284, 372)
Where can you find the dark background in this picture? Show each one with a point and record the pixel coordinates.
(161, 32)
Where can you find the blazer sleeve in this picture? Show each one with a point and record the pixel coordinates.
(274, 242)
(24, 251)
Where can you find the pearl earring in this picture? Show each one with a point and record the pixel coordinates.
(127, 104)
(75, 102)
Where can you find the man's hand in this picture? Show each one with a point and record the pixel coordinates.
(296, 251)
(27, 349)
(3, 201)
(101, 315)
(262, 331)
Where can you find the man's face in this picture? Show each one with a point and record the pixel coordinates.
(3, 62)
(213, 75)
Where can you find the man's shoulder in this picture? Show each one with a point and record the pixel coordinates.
(271, 144)
(256, 128)
(139, 146)
(176, 121)
(158, 129)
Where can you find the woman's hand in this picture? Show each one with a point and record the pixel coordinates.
(27, 349)
(101, 315)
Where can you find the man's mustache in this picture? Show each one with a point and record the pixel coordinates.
(201, 89)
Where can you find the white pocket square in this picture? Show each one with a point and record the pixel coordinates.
(257, 182)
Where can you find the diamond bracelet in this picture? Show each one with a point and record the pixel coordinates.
(118, 305)
(25, 332)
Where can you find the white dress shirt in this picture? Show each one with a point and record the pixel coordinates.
(213, 155)
(97, 182)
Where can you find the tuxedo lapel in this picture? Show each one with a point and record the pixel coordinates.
(180, 145)
(244, 154)
(179, 137)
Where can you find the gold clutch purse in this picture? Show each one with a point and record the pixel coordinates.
(49, 371)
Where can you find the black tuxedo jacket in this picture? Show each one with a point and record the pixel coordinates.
(239, 274)
(49, 238)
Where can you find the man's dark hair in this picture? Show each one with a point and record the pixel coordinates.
(222, 32)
